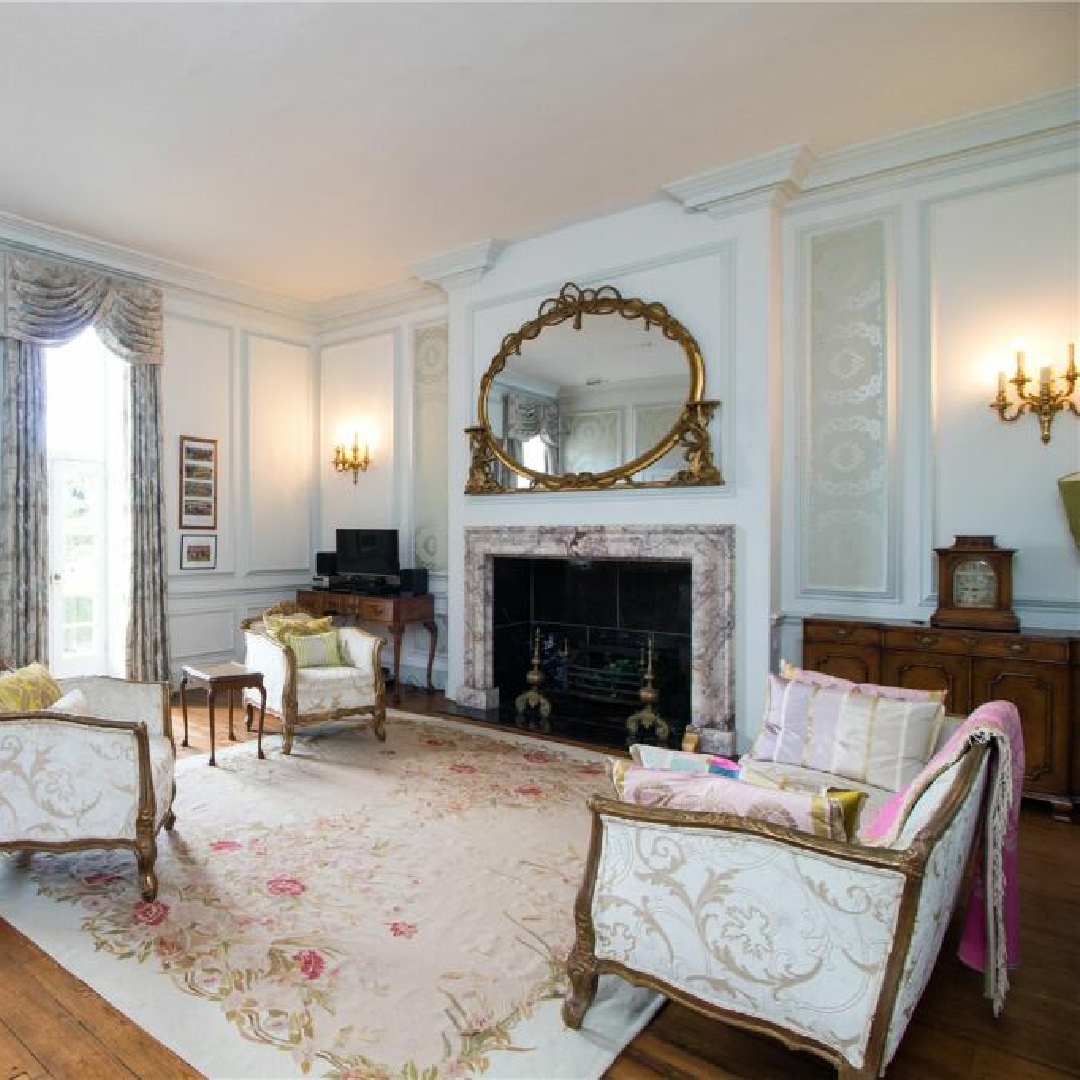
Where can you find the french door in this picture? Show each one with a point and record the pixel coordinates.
(77, 568)
(89, 544)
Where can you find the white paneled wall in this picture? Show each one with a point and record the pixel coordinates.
(245, 379)
(367, 383)
(278, 451)
(979, 257)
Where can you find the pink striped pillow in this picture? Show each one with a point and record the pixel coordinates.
(834, 682)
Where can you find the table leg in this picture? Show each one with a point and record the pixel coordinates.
(232, 734)
(183, 707)
(210, 709)
(433, 633)
(262, 718)
(396, 631)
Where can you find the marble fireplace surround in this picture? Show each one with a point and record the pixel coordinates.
(710, 549)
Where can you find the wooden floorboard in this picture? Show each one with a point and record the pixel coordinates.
(53, 1025)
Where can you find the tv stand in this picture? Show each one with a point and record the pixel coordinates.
(390, 610)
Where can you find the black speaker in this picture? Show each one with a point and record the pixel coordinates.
(326, 563)
(413, 582)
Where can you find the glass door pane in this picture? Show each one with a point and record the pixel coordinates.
(77, 567)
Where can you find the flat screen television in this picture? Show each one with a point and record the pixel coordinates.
(367, 552)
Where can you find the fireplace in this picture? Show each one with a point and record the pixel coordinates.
(592, 628)
(705, 664)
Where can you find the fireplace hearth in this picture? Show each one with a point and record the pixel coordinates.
(590, 624)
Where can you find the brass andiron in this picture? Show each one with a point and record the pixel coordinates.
(1044, 405)
(647, 718)
(532, 700)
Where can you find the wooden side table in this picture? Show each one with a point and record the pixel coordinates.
(214, 678)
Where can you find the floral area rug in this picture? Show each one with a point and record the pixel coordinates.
(359, 909)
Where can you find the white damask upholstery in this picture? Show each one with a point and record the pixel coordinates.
(310, 695)
(102, 778)
(774, 929)
(747, 923)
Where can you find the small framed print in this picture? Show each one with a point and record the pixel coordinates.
(198, 552)
(198, 482)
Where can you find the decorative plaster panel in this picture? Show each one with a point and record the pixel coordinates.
(709, 548)
(429, 470)
(845, 467)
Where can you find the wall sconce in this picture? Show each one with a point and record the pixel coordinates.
(1045, 404)
(353, 460)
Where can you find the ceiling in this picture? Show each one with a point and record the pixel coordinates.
(316, 150)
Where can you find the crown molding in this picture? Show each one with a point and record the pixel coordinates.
(385, 301)
(460, 267)
(1020, 129)
(48, 240)
(924, 148)
(765, 180)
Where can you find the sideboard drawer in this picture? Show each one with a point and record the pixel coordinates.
(928, 640)
(841, 633)
(1024, 648)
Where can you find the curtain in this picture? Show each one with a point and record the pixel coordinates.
(526, 417)
(49, 303)
(24, 498)
(148, 627)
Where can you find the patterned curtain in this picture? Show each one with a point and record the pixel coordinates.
(49, 303)
(525, 418)
(24, 497)
(148, 627)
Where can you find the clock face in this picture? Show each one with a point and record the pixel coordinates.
(974, 584)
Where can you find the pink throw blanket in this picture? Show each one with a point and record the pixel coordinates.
(991, 938)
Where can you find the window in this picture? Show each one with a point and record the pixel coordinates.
(88, 536)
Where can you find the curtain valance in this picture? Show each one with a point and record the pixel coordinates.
(47, 302)
(529, 416)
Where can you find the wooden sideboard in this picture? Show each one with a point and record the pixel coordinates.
(1037, 670)
(395, 612)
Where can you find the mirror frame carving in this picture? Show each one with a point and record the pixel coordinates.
(690, 432)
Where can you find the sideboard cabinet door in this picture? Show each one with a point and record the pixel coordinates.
(1041, 693)
(930, 671)
(857, 663)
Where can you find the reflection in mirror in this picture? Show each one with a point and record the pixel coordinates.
(589, 400)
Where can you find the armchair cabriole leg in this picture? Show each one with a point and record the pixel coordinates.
(250, 709)
(379, 724)
(23, 858)
(583, 980)
(286, 740)
(146, 852)
(170, 821)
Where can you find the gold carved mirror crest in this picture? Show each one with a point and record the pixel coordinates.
(597, 391)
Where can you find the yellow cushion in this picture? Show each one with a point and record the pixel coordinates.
(280, 626)
(28, 689)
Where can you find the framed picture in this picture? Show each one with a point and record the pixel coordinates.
(198, 552)
(198, 482)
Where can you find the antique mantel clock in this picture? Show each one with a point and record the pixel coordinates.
(975, 585)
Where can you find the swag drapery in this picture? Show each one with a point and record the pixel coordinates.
(524, 418)
(46, 303)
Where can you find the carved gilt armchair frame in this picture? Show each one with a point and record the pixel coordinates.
(289, 714)
(584, 966)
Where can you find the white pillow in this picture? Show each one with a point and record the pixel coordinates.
(73, 703)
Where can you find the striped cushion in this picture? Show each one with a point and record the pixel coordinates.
(819, 678)
(878, 740)
(315, 650)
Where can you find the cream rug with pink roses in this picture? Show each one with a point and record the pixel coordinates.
(359, 909)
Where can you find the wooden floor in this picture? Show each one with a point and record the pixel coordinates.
(53, 1025)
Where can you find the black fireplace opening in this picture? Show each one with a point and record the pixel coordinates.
(580, 632)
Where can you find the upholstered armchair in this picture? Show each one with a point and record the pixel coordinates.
(69, 782)
(825, 944)
(303, 696)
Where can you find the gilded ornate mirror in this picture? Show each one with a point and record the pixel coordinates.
(598, 391)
